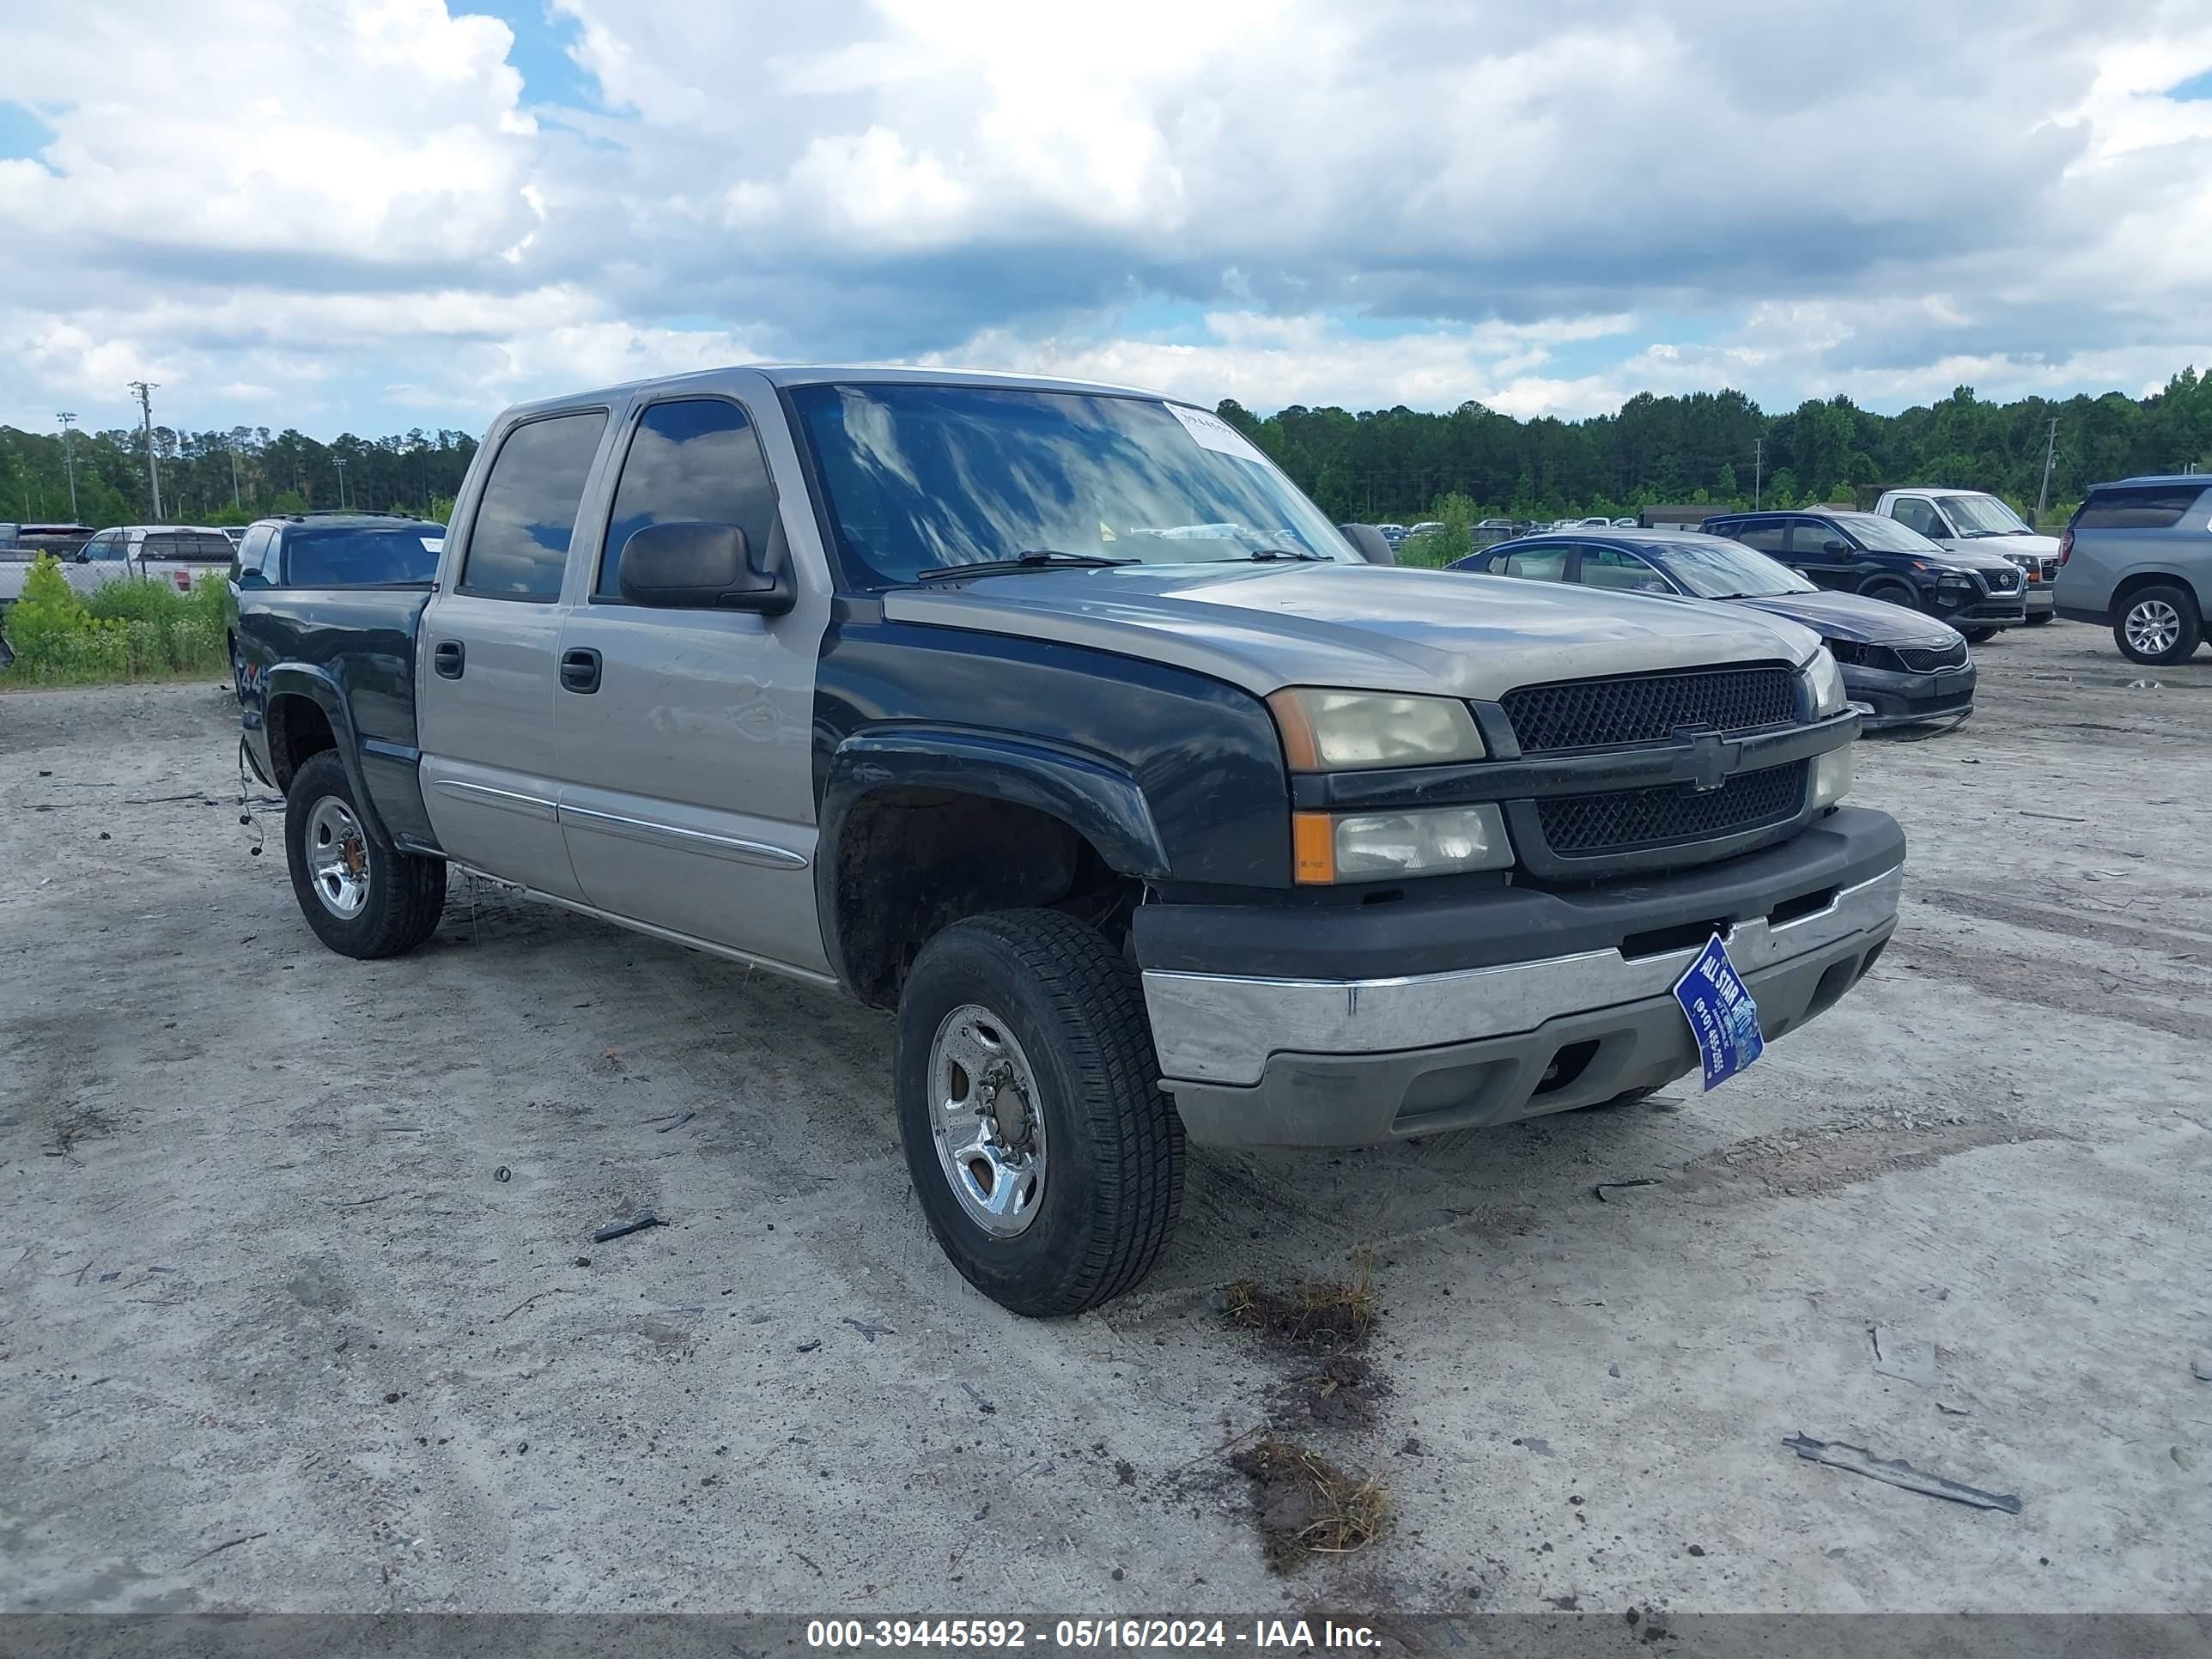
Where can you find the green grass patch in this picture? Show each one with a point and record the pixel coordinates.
(140, 630)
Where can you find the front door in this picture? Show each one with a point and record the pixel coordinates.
(486, 674)
(685, 736)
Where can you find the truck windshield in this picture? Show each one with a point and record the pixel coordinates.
(1982, 515)
(362, 558)
(920, 477)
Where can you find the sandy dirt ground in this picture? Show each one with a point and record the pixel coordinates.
(297, 1251)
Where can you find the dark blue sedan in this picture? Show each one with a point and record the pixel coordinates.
(1901, 664)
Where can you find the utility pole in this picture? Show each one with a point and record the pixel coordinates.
(340, 464)
(235, 500)
(68, 418)
(1758, 469)
(146, 410)
(2050, 454)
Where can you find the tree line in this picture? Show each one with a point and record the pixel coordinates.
(1380, 465)
(1400, 465)
(225, 478)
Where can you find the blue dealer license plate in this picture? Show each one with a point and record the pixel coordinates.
(1724, 1019)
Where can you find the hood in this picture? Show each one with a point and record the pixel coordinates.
(1854, 617)
(1978, 554)
(1376, 628)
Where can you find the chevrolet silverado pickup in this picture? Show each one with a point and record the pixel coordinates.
(1053, 720)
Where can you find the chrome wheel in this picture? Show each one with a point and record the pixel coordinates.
(2153, 627)
(337, 858)
(988, 1120)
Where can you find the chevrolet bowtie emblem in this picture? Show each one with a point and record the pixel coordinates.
(1708, 759)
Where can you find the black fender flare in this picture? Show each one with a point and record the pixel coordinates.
(1099, 800)
(320, 687)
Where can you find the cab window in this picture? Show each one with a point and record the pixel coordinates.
(691, 460)
(1915, 514)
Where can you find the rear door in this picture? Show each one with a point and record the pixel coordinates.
(485, 675)
(684, 737)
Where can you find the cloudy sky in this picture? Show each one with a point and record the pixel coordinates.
(378, 214)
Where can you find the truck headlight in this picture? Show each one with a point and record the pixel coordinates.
(1347, 731)
(1831, 777)
(1825, 681)
(1375, 846)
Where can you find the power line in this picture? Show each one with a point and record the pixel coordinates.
(2050, 454)
(146, 409)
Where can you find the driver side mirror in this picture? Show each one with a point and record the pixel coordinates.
(691, 566)
(1835, 544)
(1368, 542)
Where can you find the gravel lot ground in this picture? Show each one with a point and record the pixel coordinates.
(260, 1278)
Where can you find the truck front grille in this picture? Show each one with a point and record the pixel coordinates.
(1628, 820)
(1953, 655)
(1596, 714)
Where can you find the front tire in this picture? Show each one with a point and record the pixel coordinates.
(362, 899)
(2158, 625)
(1046, 1159)
(1979, 636)
(2037, 618)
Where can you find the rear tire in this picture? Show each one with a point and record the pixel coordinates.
(364, 900)
(2157, 625)
(1024, 1056)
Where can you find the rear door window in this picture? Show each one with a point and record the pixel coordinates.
(519, 544)
(695, 459)
(1766, 536)
(186, 547)
(2136, 506)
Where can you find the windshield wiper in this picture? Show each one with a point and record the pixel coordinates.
(1298, 553)
(1042, 558)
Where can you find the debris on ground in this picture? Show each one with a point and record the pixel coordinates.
(809, 1347)
(1605, 1187)
(1307, 1506)
(2201, 1369)
(1315, 1313)
(636, 1224)
(871, 1332)
(981, 1404)
(1896, 1356)
(1896, 1471)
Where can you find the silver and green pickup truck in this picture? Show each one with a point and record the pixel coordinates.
(1052, 718)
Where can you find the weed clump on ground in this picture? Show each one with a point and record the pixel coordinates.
(1324, 1314)
(1308, 1506)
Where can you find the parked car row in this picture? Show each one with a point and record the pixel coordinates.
(167, 552)
(1899, 664)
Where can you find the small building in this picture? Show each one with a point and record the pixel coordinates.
(1684, 517)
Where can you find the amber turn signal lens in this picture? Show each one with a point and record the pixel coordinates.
(1313, 848)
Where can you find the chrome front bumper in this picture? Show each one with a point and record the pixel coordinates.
(1337, 1062)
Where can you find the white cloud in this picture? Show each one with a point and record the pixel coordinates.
(354, 213)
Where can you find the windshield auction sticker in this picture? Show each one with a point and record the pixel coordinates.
(1215, 433)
